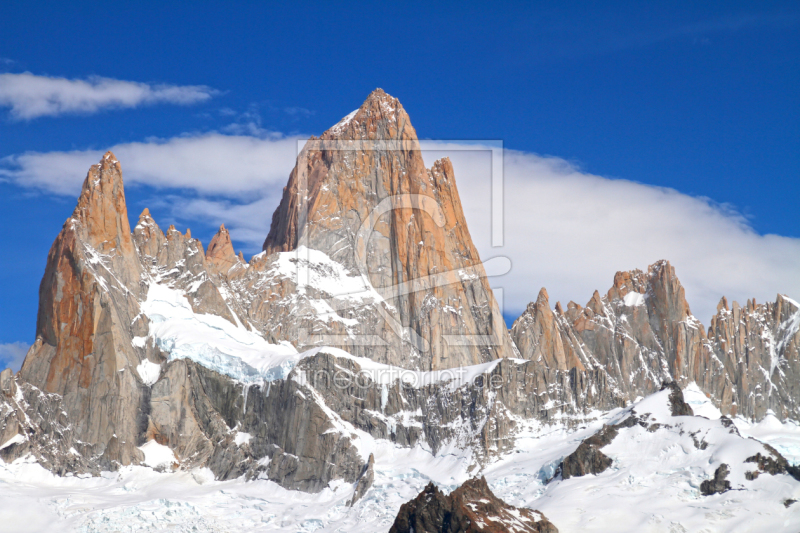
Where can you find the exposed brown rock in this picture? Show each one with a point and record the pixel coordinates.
(87, 300)
(542, 338)
(220, 255)
(641, 334)
(759, 346)
(748, 362)
(418, 251)
(471, 508)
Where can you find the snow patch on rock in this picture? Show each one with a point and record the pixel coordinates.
(157, 455)
(149, 372)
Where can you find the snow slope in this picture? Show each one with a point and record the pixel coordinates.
(652, 486)
(211, 340)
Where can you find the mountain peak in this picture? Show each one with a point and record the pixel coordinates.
(420, 250)
(543, 296)
(101, 207)
(380, 117)
(220, 254)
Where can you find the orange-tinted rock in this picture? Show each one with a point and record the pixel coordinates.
(641, 334)
(220, 255)
(417, 252)
(87, 300)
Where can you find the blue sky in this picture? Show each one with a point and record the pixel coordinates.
(697, 97)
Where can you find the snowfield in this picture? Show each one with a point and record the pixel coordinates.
(653, 485)
(211, 340)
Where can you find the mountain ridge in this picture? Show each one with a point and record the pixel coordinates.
(372, 322)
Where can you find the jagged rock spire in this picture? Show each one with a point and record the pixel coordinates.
(102, 210)
(220, 254)
(88, 300)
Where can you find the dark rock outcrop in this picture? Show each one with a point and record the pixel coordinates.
(364, 482)
(718, 484)
(772, 463)
(471, 508)
(587, 457)
(677, 405)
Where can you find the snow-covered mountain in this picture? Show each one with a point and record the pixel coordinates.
(362, 354)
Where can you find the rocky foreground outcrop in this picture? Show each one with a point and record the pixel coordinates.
(471, 508)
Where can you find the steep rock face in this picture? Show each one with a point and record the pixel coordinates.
(539, 338)
(88, 300)
(362, 195)
(760, 348)
(33, 423)
(278, 431)
(641, 333)
(121, 386)
(478, 411)
(106, 384)
(471, 508)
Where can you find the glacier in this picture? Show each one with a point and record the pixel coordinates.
(653, 485)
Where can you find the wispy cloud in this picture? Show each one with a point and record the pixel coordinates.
(12, 354)
(6, 61)
(298, 112)
(30, 96)
(565, 229)
(610, 33)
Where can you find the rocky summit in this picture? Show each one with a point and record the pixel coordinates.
(361, 194)
(471, 508)
(362, 355)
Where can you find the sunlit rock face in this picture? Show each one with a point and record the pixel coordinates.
(361, 194)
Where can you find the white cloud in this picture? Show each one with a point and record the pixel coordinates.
(570, 231)
(30, 96)
(230, 165)
(12, 354)
(565, 229)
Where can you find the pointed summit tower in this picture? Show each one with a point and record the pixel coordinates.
(88, 300)
(361, 194)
